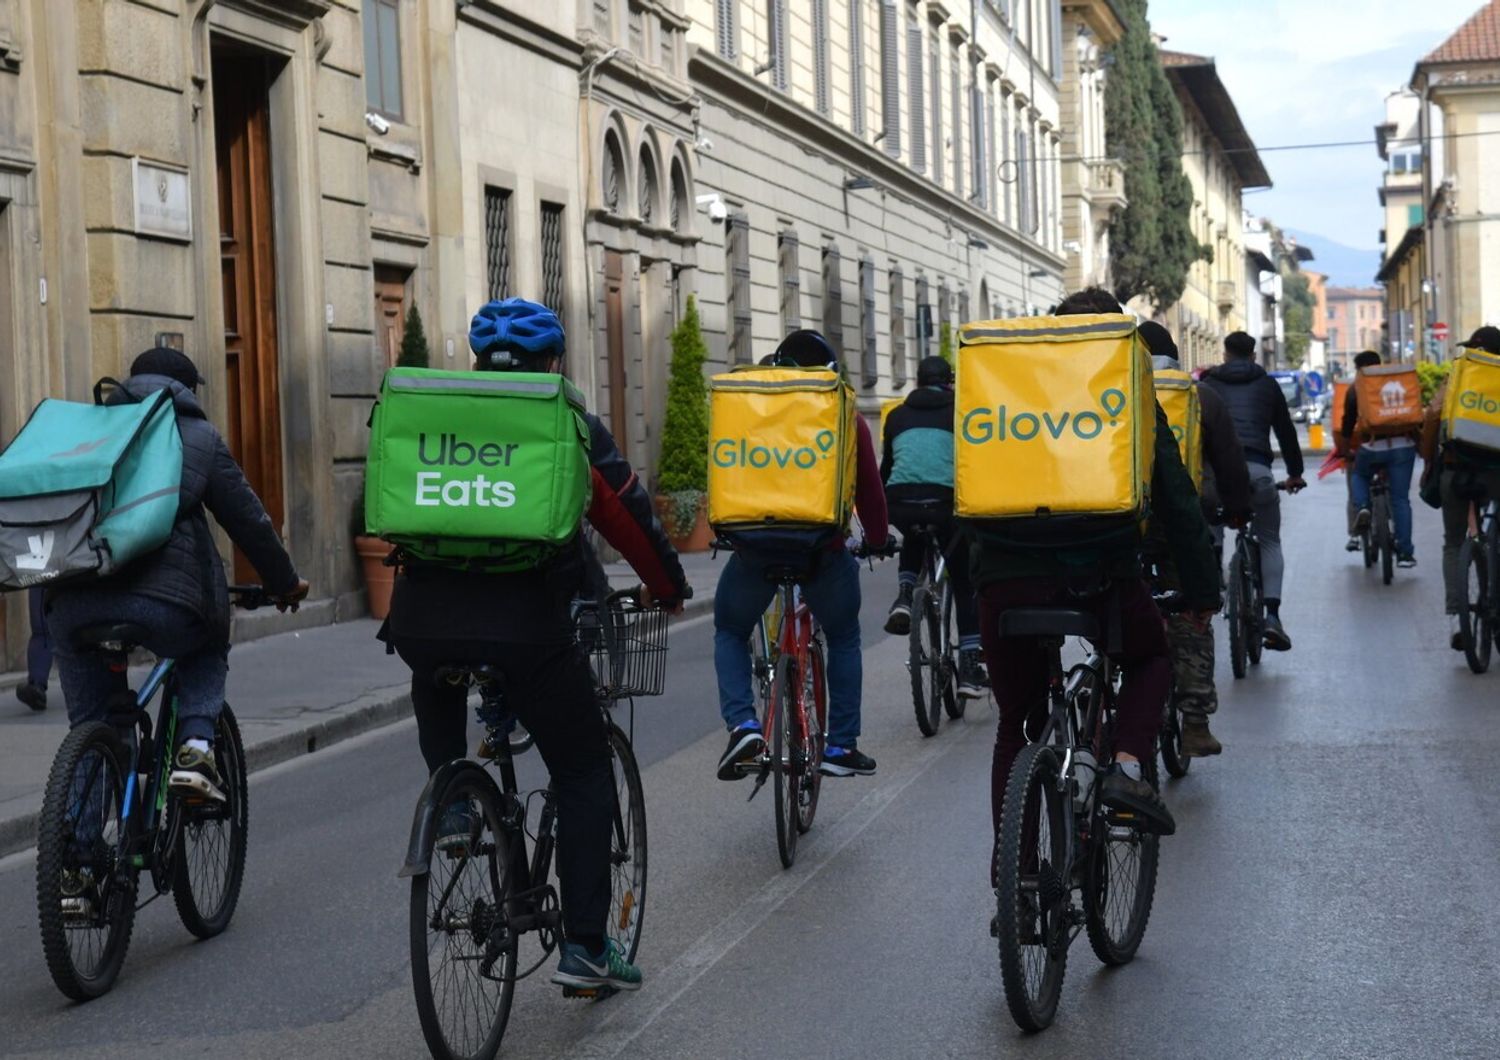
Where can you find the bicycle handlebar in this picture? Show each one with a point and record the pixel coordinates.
(254, 597)
(863, 550)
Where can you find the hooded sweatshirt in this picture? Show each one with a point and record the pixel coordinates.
(1257, 407)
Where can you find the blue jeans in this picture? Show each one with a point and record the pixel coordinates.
(176, 633)
(833, 596)
(1398, 464)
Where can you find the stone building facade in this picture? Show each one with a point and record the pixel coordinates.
(1093, 183)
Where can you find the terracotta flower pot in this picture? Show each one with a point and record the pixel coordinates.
(695, 538)
(380, 580)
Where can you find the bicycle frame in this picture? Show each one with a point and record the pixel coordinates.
(794, 638)
(1075, 723)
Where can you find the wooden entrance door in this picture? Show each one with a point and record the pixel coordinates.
(390, 311)
(242, 128)
(614, 326)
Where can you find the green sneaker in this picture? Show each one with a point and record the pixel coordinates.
(195, 772)
(580, 971)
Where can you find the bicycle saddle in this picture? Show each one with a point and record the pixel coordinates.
(1048, 622)
(111, 636)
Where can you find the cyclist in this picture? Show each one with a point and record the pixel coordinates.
(1226, 488)
(831, 590)
(178, 592)
(1022, 577)
(520, 623)
(917, 469)
(1258, 407)
(1462, 478)
(1398, 456)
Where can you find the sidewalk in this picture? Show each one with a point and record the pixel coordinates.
(292, 692)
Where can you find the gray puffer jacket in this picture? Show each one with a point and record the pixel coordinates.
(186, 571)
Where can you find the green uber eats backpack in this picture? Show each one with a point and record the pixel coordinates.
(486, 471)
(85, 489)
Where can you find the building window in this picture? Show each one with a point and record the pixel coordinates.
(497, 241)
(737, 268)
(822, 94)
(604, 19)
(1008, 164)
(726, 29)
(890, 77)
(382, 25)
(916, 90)
(776, 34)
(833, 299)
(856, 67)
(986, 167)
(944, 320)
(677, 215)
(898, 328)
(646, 197)
(553, 284)
(791, 282)
(924, 318)
(637, 30)
(955, 67)
(1414, 215)
(935, 58)
(869, 365)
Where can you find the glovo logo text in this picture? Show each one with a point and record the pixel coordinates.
(742, 452)
(1473, 401)
(1179, 433)
(982, 425)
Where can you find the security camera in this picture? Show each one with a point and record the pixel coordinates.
(376, 122)
(717, 211)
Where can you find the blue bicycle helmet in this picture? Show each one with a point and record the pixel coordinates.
(514, 333)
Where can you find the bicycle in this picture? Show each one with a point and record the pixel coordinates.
(1245, 602)
(472, 904)
(933, 659)
(109, 815)
(1377, 539)
(1479, 559)
(1169, 740)
(1056, 838)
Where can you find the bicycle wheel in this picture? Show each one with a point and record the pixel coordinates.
(463, 952)
(784, 774)
(1120, 884)
(1170, 740)
(85, 898)
(953, 706)
(1384, 541)
(1473, 620)
(627, 855)
(210, 859)
(1367, 545)
(815, 702)
(1255, 610)
(1235, 619)
(926, 683)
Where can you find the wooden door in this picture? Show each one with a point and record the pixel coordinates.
(242, 129)
(390, 311)
(614, 326)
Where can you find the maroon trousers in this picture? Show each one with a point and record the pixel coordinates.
(1018, 668)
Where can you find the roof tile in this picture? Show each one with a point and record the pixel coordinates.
(1476, 41)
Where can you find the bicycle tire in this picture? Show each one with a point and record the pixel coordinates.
(1383, 541)
(628, 863)
(1032, 980)
(953, 703)
(1115, 941)
(783, 774)
(468, 929)
(1492, 566)
(1255, 611)
(1473, 620)
(204, 912)
(1235, 620)
(95, 751)
(922, 660)
(817, 738)
(1170, 740)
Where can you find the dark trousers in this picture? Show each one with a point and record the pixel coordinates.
(551, 690)
(914, 554)
(39, 647)
(1018, 668)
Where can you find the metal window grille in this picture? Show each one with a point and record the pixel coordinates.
(726, 29)
(916, 88)
(791, 282)
(833, 299)
(553, 285)
(935, 59)
(857, 67)
(497, 241)
(924, 317)
(776, 30)
(821, 94)
(898, 328)
(869, 366)
(382, 27)
(737, 262)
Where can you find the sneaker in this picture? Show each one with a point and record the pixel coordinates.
(1276, 638)
(972, 680)
(1354, 544)
(1406, 562)
(746, 744)
(580, 971)
(898, 620)
(846, 762)
(1455, 633)
(194, 772)
(34, 696)
(1138, 798)
(1362, 521)
(455, 828)
(1197, 741)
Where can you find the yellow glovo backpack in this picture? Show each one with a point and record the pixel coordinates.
(1177, 394)
(1471, 409)
(1054, 430)
(781, 458)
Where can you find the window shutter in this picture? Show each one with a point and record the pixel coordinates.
(1011, 173)
(856, 67)
(916, 89)
(935, 57)
(956, 84)
(791, 283)
(776, 12)
(898, 328)
(869, 366)
(727, 32)
(890, 77)
(924, 317)
(738, 261)
(986, 171)
(833, 300)
(821, 94)
(943, 315)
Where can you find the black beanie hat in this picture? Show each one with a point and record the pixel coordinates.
(174, 364)
(1158, 340)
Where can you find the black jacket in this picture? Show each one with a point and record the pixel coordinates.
(531, 607)
(1226, 479)
(1258, 407)
(186, 571)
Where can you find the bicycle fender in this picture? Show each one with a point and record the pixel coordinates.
(424, 821)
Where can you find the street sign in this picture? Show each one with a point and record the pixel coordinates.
(1440, 332)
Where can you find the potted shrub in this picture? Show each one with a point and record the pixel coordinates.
(380, 579)
(682, 480)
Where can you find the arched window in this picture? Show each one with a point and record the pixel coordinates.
(679, 207)
(646, 206)
(613, 172)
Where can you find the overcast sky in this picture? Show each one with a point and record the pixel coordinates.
(1308, 72)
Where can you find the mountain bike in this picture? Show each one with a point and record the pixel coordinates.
(1479, 559)
(1169, 741)
(472, 903)
(1065, 863)
(1377, 540)
(109, 815)
(1245, 601)
(933, 659)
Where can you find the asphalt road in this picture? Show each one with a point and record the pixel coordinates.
(1330, 892)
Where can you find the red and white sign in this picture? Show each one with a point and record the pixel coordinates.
(1440, 332)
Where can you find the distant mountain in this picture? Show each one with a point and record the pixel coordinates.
(1344, 266)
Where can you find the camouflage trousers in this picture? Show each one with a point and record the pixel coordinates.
(1193, 689)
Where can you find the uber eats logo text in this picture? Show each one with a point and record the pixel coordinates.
(1001, 424)
(1473, 401)
(440, 489)
(741, 452)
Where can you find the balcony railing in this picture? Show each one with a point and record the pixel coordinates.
(1106, 185)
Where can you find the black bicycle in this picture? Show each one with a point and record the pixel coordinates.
(474, 900)
(1065, 863)
(1479, 559)
(933, 659)
(1169, 741)
(1377, 537)
(109, 814)
(1245, 604)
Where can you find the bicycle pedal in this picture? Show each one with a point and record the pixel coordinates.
(589, 993)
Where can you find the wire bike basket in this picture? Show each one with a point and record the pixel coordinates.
(629, 657)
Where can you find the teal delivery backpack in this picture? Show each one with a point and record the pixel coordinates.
(85, 489)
